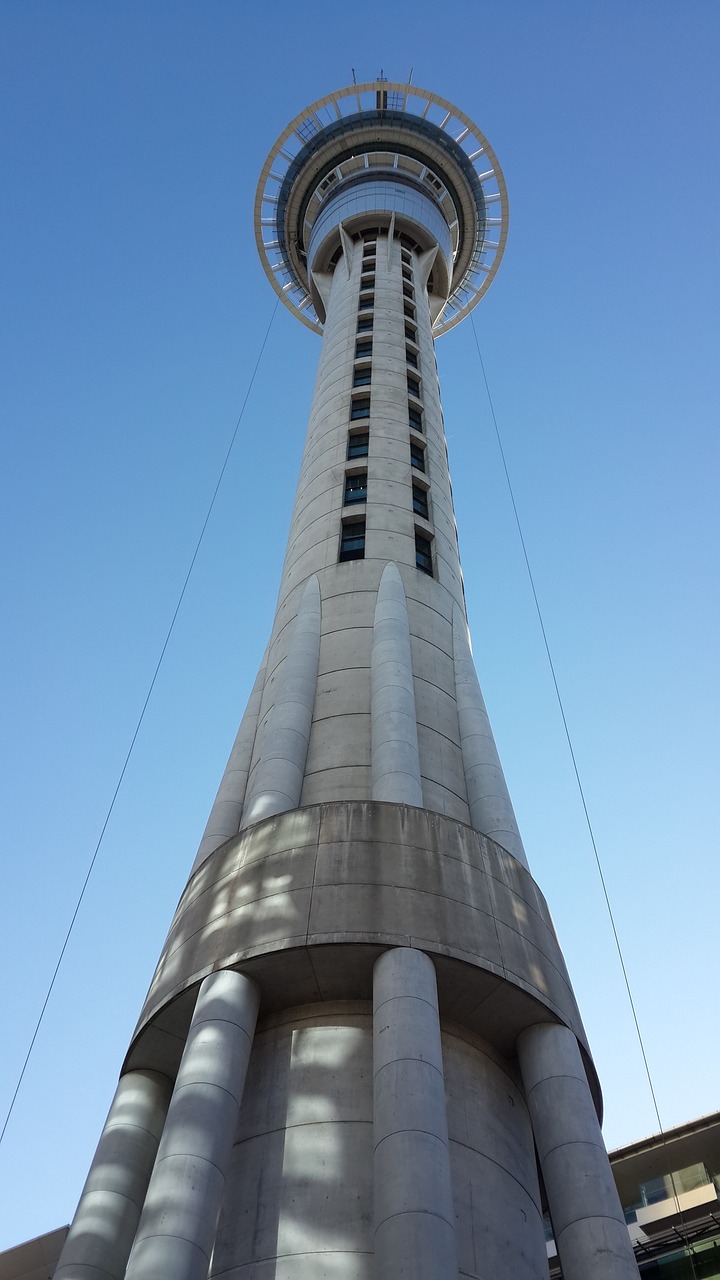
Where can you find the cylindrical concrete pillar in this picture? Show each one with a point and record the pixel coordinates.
(413, 1203)
(177, 1229)
(103, 1229)
(590, 1231)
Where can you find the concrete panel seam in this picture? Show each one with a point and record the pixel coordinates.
(457, 1142)
(161, 1235)
(576, 1142)
(559, 1075)
(415, 1213)
(429, 1133)
(589, 1217)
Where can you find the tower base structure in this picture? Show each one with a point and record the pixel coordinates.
(401, 1073)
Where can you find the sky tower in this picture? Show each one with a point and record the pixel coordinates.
(360, 1055)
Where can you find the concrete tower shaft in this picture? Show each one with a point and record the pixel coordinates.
(361, 892)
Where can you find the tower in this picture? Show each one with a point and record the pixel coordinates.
(360, 1042)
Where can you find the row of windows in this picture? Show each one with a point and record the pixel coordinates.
(352, 540)
(352, 545)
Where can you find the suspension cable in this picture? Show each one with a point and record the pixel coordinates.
(138, 726)
(576, 771)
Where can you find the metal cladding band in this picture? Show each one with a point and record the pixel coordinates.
(102, 1232)
(588, 1221)
(394, 750)
(414, 1211)
(176, 1234)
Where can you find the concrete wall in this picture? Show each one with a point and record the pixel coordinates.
(338, 763)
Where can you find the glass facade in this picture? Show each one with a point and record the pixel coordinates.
(380, 195)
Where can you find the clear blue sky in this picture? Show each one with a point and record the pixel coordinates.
(133, 307)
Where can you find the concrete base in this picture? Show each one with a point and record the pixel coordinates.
(299, 1185)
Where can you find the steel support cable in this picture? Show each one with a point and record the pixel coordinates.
(576, 771)
(138, 725)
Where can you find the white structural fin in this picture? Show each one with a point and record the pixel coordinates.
(224, 820)
(276, 779)
(425, 264)
(323, 283)
(347, 248)
(390, 234)
(491, 811)
(394, 742)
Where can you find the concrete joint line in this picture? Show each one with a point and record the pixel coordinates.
(576, 1142)
(561, 1075)
(405, 1213)
(395, 1132)
(189, 1155)
(205, 1084)
(424, 1061)
(202, 1022)
(457, 1143)
(421, 999)
(590, 1217)
(166, 1235)
(126, 1125)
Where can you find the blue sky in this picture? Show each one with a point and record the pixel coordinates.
(133, 306)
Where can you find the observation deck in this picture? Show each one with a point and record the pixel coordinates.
(382, 154)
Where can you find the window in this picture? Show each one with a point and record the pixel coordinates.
(409, 311)
(420, 501)
(356, 488)
(352, 540)
(364, 324)
(413, 386)
(410, 333)
(362, 375)
(366, 300)
(407, 274)
(410, 357)
(423, 553)
(363, 348)
(358, 444)
(414, 418)
(367, 282)
(417, 457)
(408, 291)
(360, 407)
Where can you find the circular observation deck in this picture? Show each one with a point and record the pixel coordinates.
(382, 154)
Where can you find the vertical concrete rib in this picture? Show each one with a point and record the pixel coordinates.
(414, 1211)
(176, 1234)
(589, 1225)
(103, 1229)
(276, 781)
(491, 811)
(394, 741)
(224, 820)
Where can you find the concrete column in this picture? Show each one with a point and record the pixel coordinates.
(414, 1211)
(394, 740)
(491, 811)
(590, 1231)
(103, 1229)
(275, 783)
(224, 820)
(177, 1229)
